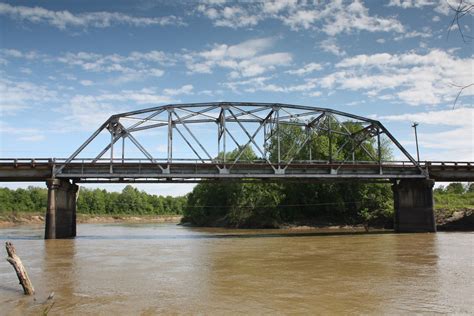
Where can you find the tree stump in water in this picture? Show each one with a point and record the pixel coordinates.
(19, 269)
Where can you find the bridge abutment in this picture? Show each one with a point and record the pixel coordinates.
(414, 206)
(61, 209)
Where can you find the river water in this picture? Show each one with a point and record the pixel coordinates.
(150, 269)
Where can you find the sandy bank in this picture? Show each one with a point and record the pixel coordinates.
(13, 219)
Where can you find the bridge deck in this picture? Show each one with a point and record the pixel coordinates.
(144, 171)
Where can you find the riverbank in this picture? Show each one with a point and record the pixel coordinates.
(446, 220)
(16, 218)
(459, 220)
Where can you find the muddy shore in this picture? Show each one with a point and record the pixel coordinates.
(13, 219)
(461, 220)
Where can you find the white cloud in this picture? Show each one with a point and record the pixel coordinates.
(332, 17)
(261, 84)
(330, 45)
(11, 109)
(355, 16)
(440, 6)
(425, 33)
(87, 112)
(26, 71)
(133, 67)
(18, 95)
(411, 3)
(306, 69)
(243, 59)
(14, 53)
(455, 144)
(32, 138)
(64, 19)
(413, 78)
(455, 117)
(315, 94)
(229, 16)
(21, 133)
(86, 83)
(186, 89)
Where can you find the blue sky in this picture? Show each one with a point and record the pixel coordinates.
(65, 66)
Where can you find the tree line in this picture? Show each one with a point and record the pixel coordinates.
(94, 201)
(273, 204)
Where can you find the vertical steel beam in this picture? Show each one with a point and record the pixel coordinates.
(278, 135)
(112, 136)
(265, 139)
(330, 138)
(123, 149)
(170, 136)
(353, 149)
(379, 150)
(224, 131)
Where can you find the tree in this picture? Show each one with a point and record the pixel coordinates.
(257, 204)
(455, 188)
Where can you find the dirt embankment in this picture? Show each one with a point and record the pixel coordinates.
(35, 218)
(460, 220)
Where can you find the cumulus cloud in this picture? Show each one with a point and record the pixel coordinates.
(19, 95)
(306, 69)
(25, 134)
(330, 45)
(412, 78)
(64, 19)
(332, 17)
(243, 60)
(132, 67)
(411, 3)
(186, 89)
(457, 142)
(262, 84)
(87, 112)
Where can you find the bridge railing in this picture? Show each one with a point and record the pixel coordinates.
(164, 161)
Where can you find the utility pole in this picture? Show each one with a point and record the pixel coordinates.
(415, 124)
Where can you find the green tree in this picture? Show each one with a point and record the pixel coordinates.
(455, 187)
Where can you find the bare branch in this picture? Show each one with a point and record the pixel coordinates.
(461, 10)
(460, 91)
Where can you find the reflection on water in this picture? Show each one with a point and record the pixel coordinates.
(163, 268)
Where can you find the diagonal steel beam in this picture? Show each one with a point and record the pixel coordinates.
(81, 148)
(308, 137)
(189, 144)
(251, 139)
(192, 135)
(248, 112)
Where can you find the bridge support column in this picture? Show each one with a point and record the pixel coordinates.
(414, 206)
(61, 209)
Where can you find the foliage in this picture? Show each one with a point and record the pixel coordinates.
(94, 201)
(455, 196)
(257, 204)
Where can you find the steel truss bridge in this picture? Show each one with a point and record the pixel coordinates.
(238, 141)
(210, 141)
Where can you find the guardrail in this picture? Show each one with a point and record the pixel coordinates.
(59, 161)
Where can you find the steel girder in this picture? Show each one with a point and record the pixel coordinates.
(240, 125)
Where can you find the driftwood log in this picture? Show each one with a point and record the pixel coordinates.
(19, 269)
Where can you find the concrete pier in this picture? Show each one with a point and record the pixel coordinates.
(414, 206)
(61, 209)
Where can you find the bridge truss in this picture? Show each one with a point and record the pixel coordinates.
(195, 142)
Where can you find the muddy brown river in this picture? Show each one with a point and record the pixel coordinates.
(149, 269)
